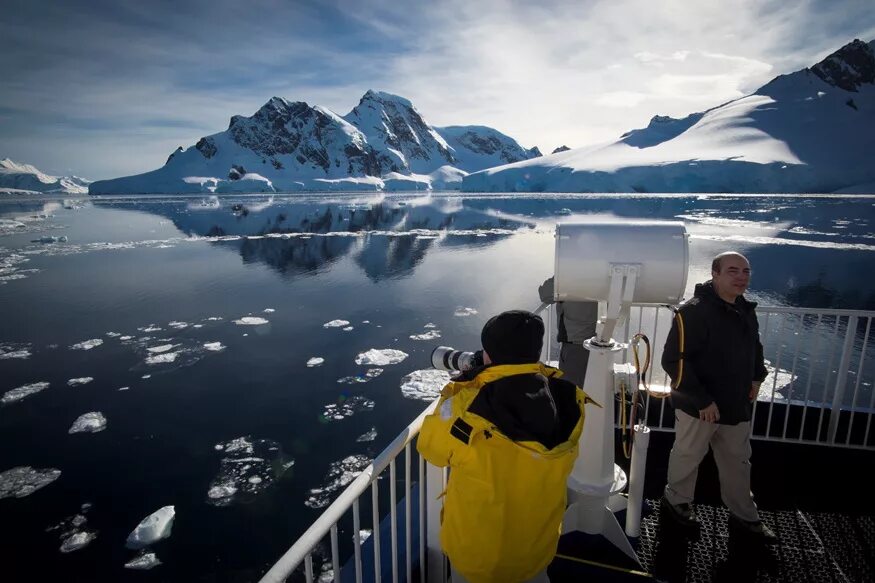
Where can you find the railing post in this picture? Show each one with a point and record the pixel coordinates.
(434, 556)
(842, 378)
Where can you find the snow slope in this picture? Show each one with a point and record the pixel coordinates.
(27, 179)
(809, 131)
(383, 143)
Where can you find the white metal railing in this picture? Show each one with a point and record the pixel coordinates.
(831, 383)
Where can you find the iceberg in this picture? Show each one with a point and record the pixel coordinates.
(22, 392)
(23, 481)
(424, 385)
(77, 540)
(335, 324)
(380, 357)
(143, 561)
(153, 528)
(251, 321)
(464, 312)
(79, 381)
(87, 344)
(89, 423)
(214, 346)
(315, 361)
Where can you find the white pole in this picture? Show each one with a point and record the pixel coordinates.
(636, 480)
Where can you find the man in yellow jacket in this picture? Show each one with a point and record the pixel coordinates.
(509, 432)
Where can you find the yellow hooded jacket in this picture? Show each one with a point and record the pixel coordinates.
(505, 499)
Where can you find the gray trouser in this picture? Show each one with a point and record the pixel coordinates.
(731, 446)
(573, 359)
(540, 577)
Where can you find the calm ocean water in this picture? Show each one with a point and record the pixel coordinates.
(208, 310)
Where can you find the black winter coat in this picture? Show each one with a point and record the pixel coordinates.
(722, 355)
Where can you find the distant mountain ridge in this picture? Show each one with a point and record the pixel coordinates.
(26, 179)
(808, 131)
(383, 143)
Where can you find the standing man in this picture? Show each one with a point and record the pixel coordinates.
(509, 433)
(716, 374)
(576, 323)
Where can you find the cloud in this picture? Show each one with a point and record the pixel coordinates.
(157, 75)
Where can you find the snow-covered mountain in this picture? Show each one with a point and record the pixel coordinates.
(26, 179)
(809, 131)
(383, 143)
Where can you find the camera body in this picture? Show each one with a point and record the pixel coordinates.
(449, 359)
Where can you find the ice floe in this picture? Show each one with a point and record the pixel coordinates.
(269, 310)
(178, 325)
(368, 435)
(87, 344)
(424, 385)
(430, 325)
(430, 335)
(123, 388)
(79, 381)
(340, 473)
(213, 319)
(113, 334)
(89, 423)
(150, 328)
(464, 312)
(347, 328)
(23, 481)
(315, 361)
(249, 467)
(77, 541)
(143, 561)
(251, 321)
(347, 407)
(380, 357)
(22, 392)
(214, 346)
(151, 529)
(336, 324)
(164, 358)
(18, 351)
(368, 375)
(780, 380)
(161, 348)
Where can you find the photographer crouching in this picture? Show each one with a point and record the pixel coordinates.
(509, 429)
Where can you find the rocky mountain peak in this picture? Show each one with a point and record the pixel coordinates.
(849, 67)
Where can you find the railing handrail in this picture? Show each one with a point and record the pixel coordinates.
(320, 528)
(815, 311)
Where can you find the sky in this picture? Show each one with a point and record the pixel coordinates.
(108, 88)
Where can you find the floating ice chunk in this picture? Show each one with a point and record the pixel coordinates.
(430, 325)
(150, 328)
(269, 310)
(113, 334)
(213, 319)
(197, 326)
(146, 376)
(248, 468)
(153, 528)
(23, 481)
(464, 312)
(365, 534)
(346, 408)
(778, 379)
(369, 374)
(214, 346)
(347, 329)
(340, 473)
(87, 344)
(50, 239)
(77, 540)
(424, 385)
(8, 351)
(315, 361)
(22, 392)
(381, 357)
(162, 348)
(123, 388)
(143, 561)
(80, 381)
(251, 321)
(125, 337)
(89, 423)
(430, 335)
(178, 325)
(336, 324)
(163, 358)
(367, 436)
(366, 321)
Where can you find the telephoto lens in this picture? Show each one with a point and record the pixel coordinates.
(447, 358)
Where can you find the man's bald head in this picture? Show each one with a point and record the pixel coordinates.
(717, 262)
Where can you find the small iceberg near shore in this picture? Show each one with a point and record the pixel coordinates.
(151, 529)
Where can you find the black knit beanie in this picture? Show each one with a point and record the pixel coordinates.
(513, 337)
